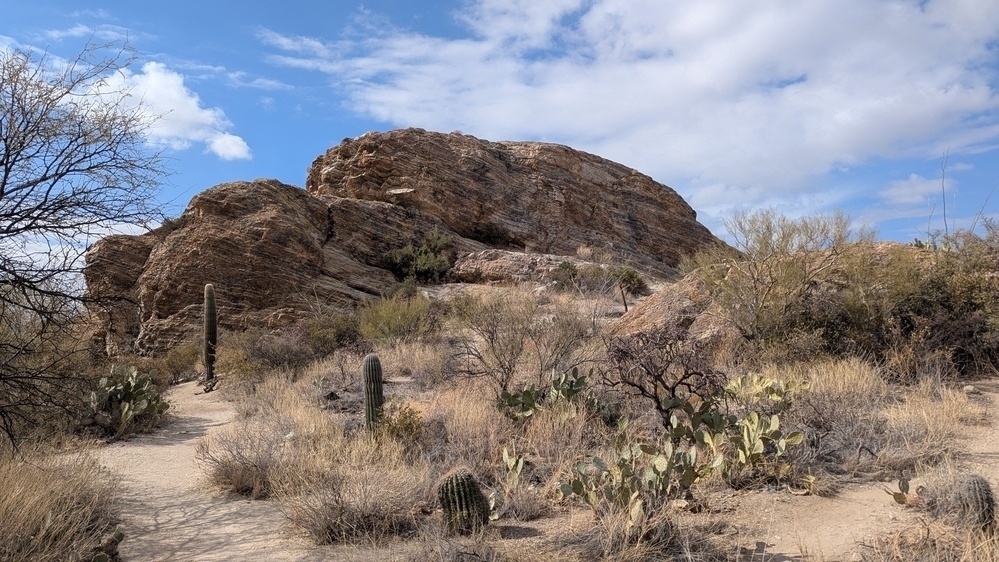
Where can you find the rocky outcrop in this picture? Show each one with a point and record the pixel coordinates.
(275, 251)
(536, 197)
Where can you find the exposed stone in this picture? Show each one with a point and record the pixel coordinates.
(274, 251)
(537, 197)
(505, 266)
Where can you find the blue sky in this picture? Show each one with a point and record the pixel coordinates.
(805, 106)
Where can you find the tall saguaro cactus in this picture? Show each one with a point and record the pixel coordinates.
(210, 335)
(374, 396)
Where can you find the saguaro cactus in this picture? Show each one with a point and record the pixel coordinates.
(465, 506)
(374, 396)
(210, 335)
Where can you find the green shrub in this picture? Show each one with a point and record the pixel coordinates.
(327, 334)
(427, 262)
(631, 281)
(126, 401)
(397, 319)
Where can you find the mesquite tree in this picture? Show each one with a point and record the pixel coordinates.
(74, 166)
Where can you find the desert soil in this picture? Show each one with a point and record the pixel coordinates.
(170, 514)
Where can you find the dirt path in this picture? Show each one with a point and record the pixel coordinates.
(779, 527)
(169, 515)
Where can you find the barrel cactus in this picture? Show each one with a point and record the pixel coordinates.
(374, 396)
(465, 506)
(210, 335)
(974, 502)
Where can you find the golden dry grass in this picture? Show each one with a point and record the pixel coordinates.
(54, 507)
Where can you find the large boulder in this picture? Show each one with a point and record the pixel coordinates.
(536, 197)
(274, 251)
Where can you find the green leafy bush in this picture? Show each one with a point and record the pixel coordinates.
(427, 262)
(397, 319)
(126, 401)
(328, 333)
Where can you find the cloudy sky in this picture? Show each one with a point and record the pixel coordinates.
(878, 108)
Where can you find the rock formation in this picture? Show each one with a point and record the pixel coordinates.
(537, 197)
(273, 251)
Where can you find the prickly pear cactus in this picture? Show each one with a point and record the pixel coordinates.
(211, 331)
(374, 397)
(465, 506)
(974, 502)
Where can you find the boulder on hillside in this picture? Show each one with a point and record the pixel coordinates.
(274, 250)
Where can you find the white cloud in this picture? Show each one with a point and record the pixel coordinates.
(240, 79)
(916, 190)
(741, 102)
(182, 119)
(104, 32)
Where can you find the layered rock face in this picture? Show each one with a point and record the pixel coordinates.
(274, 251)
(537, 197)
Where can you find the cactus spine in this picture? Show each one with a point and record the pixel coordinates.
(465, 506)
(210, 334)
(374, 396)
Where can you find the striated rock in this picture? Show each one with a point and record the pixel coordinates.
(537, 197)
(273, 251)
(687, 301)
(505, 266)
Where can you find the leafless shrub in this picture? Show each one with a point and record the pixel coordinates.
(664, 367)
(247, 457)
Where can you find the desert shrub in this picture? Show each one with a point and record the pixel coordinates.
(427, 262)
(288, 348)
(856, 423)
(373, 491)
(462, 427)
(631, 281)
(177, 364)
(665, 368)
(594, 278)
(556, 437)
(763, 284)
(397, 319)
(328, 333)
(126, 401)
(247, 457)
(56, 508)
(429, 365)
(807, 287)
(512, 334)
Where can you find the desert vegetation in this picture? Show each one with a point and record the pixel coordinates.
(847, 368)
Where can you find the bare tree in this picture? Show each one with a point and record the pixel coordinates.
(74, 165)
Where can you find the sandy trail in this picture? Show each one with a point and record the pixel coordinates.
(168, 514)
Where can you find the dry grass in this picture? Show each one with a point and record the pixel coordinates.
(55, 507)
(856, 423)
(464, 427)
(373, 492)
(934, 542)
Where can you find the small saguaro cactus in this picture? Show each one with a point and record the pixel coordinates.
(210, 335)
(466, 508)
(374, 396)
